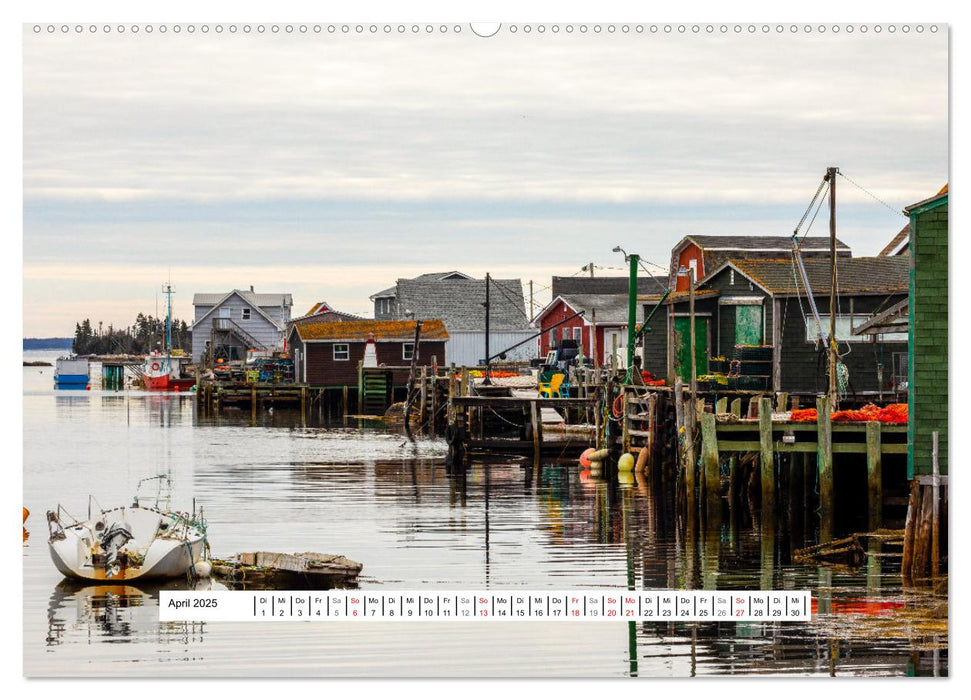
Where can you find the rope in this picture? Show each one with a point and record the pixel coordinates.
(809, 208)
(868, 192)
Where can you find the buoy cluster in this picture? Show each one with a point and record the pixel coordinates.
(592, 461)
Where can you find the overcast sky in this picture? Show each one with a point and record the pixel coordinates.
(328, 165)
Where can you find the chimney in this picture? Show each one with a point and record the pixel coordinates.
(251, 288)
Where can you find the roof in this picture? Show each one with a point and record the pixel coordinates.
(459, 302)
(855, 275)
(898, 245)
(761, 243)
(257, 301)
(610, 308)
(261, 300)
(938, 198)
(428, 276)
(607, 285)
(359, 331)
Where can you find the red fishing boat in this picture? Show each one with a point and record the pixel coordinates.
(163, 371)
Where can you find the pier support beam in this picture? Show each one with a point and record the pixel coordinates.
(824, 464)
(709, 461)
(874, 467)
(767, 459)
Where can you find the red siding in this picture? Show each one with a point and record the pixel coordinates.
(560, 311)
(324, 370)
(690, 252)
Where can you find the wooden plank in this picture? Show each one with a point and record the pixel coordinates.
(767, 458)
(721, 406)
(874, 469)
(782, 402)
(709, 458)
(824, 458)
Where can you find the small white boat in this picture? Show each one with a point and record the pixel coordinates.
(127, 543)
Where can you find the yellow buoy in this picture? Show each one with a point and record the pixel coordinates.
(626, 462)
(625, 479)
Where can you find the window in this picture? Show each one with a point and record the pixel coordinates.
(245, 314)
(844, 330)
(407, 351)
(578, 334)
(224, 312)
(553, 336)
(342, 351)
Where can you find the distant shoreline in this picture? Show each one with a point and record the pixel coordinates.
(48, 343)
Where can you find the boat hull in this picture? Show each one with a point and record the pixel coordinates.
(77, 554)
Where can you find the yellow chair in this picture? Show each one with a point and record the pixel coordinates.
(552, 387)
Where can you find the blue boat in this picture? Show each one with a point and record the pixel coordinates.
(71, 373)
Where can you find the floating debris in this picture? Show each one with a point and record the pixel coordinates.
(274, 570)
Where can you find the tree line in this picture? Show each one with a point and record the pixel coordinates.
(145, 335)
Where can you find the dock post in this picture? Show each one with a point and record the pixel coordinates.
(686, 445)
(252, 399)
(935, 506)
(721, 406)
(782, 402)
(709, 460)
(423, 397)
(344, 410)
(736, 409)
(767, 459)
(874, 465)
(824, 457)
(651, 445)
(536, 424)
(303, 404)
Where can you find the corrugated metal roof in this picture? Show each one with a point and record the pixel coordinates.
(855, 275)
(459, 302)
(261, 300)
(358, 331)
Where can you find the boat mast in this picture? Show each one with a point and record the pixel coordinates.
(833, 393)
(167, 289)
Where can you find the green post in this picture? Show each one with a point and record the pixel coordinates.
(632, 314)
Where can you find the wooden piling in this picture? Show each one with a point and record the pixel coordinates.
(536, 424)
(824, 458)
(782, 402)
(874, 469)
(910, 534)
(423, 397)
(721, 406)
(935, 508)
(303, 404)
(252, 399)
(767, 459)
(736, 409)
(709, 460)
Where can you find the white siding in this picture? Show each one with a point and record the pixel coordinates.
(257, 326)
(468, 347)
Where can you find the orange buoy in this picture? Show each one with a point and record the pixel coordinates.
(585, 457)
(26, 513)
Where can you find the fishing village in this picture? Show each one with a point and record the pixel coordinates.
(763, 382)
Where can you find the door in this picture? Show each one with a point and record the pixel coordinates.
(748, 324)
(682, 354)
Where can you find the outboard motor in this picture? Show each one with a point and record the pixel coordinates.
(115, 537)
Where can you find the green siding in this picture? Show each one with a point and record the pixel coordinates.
(927, 364)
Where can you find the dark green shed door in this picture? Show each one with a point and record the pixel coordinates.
(748, 324)
(682, 354)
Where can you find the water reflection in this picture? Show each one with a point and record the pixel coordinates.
(361, 491)
(83, 613)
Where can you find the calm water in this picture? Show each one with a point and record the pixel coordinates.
(361, 492)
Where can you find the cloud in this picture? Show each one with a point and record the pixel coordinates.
(329, 165)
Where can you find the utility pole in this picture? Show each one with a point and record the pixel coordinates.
(631, 312)
(833, 392)
(532, 307)
(487, 381)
